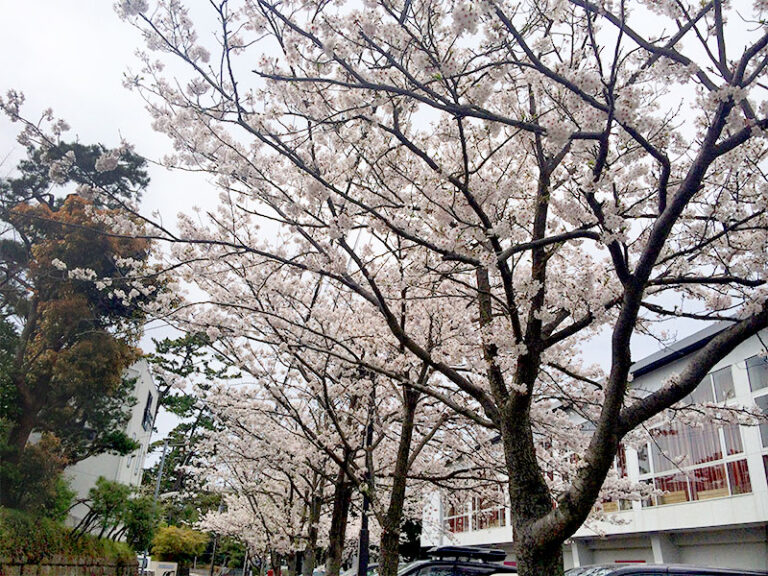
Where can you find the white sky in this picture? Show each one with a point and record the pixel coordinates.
(71, 56)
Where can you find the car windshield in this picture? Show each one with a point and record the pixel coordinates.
(590, 571)
(402, 569)
(373, 570)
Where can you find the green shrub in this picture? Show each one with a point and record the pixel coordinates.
(35, 539)
(36, 484)
(178, 544)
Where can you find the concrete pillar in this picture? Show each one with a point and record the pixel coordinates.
(664, 550)
(582, 555)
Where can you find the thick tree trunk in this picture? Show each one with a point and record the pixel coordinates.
(309, 561)
(291, 563)
(540, 562)
(390, 535)
(342, 496)
(530, 500)
(21, 431)
(27, 409)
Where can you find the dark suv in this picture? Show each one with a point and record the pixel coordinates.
(655, 569)
(459, 561)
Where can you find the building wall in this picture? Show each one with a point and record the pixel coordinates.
(124, 469)
(731, 530)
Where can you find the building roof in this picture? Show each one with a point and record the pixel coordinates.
(678, 349)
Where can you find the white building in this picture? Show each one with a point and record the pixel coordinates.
(124, 469)
(714, 509)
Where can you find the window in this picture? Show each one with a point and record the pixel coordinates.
(722, 382)
(690, 464)
(620, 466)
(738, 476)
(757, 369)
(435, 571)
(146, 421)
(716, 387)
(457, 519)
(643, 462)
(488, 513)
(762, 403)
(681, 446)
(765, 465)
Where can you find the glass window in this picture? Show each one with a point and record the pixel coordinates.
(709, 482)
(488, 512)
(642, 460)
(703, 445)
(493, 518)
(662, 456)
(765, 465)
(675, 488)
(685, 446)
(732, 436)
(457, 520)
(703, 392)
(458, 524)
(146, 421)
(757, 369)
(738, 477)
(723, 384)
(621, 462)
(650, 501)
(762, 403)
(688, 464)
(435, 571)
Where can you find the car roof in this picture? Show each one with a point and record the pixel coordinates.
(621, 570)
(492, 568)
(468, 552)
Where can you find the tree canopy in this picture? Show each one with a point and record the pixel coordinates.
(71, 286)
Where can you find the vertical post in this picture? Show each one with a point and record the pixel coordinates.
(213, 554)
(157, 495)
(245, 562)
(215, 544)
(160, 473)
(364, 548)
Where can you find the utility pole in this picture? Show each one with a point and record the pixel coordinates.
(157, 495)
(215, 545)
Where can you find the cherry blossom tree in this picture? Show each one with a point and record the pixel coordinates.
(373, 427)
(488, 185)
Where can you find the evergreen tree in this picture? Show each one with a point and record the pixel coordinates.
(70, 301)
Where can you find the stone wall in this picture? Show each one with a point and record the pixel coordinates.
(64, 566)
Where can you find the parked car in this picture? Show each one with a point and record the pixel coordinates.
(653, 569)
(459, 561)
(373, 570)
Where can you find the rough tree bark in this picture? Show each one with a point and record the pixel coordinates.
(390, 535)
(315, 507)
(342, 497)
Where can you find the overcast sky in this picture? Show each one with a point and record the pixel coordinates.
(71, 56)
